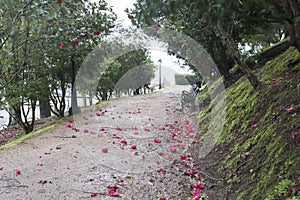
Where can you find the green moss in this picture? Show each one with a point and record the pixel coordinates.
(27, 136)
(274, 156)
(280, 64)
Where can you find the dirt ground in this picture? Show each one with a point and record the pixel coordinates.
(127, 150)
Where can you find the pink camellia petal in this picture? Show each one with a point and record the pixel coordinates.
(47, 153)
(186, 122)
(62, 45)
(190, 129)
(146, 129)
(75, 42)
(1, 168)
(113, 191)
(172, 149)
(191, 171)
(156, 140)
(293, 135)
(168, 157)
(290, 108)
(85, 130)
(162, 171)
(40, 164)
(196, 194)
(94, 194)
(58, 1)
(133, 147)
(200, 186)
(18, 172)
(58, 147)
(136, 153)
(104, 150)
(73, 136)
(182, 157)
(254, 126)
(136, 133)
(70, 121)
(155, 27)
(124, 142)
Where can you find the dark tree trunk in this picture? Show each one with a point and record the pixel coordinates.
(74, 106)
(12, 118)
(290, 11)
(235, 54)
(224, 62)
(45, 110)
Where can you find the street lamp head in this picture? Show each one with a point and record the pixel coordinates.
(159, 61)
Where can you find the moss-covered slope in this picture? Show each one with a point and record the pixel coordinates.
(258, 152)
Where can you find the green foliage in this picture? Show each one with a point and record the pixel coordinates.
(244, 23)
(259, 131)
(283, 189)
(42, 44)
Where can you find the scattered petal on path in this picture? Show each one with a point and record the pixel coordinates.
(18, 172)
(104, 150)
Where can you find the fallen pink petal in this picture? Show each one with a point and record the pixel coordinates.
(104, 150)
(94, 194)
(172, 149)
(290, 108)
(18, 172)
(156, 140)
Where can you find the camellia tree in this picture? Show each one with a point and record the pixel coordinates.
(42, 45)
(76, 31)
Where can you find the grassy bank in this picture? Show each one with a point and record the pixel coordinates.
(258, 152)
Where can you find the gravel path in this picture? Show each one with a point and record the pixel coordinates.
(130, 149)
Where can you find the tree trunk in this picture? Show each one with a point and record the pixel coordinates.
(12, 117)
(74, 106)
(235, 54)
(45, 110)
(290, 11)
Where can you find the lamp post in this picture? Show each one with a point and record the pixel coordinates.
(159, 65)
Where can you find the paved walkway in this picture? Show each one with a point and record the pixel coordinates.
(129, 149)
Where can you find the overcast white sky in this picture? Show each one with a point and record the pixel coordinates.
(119, 6)
(167, 61)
